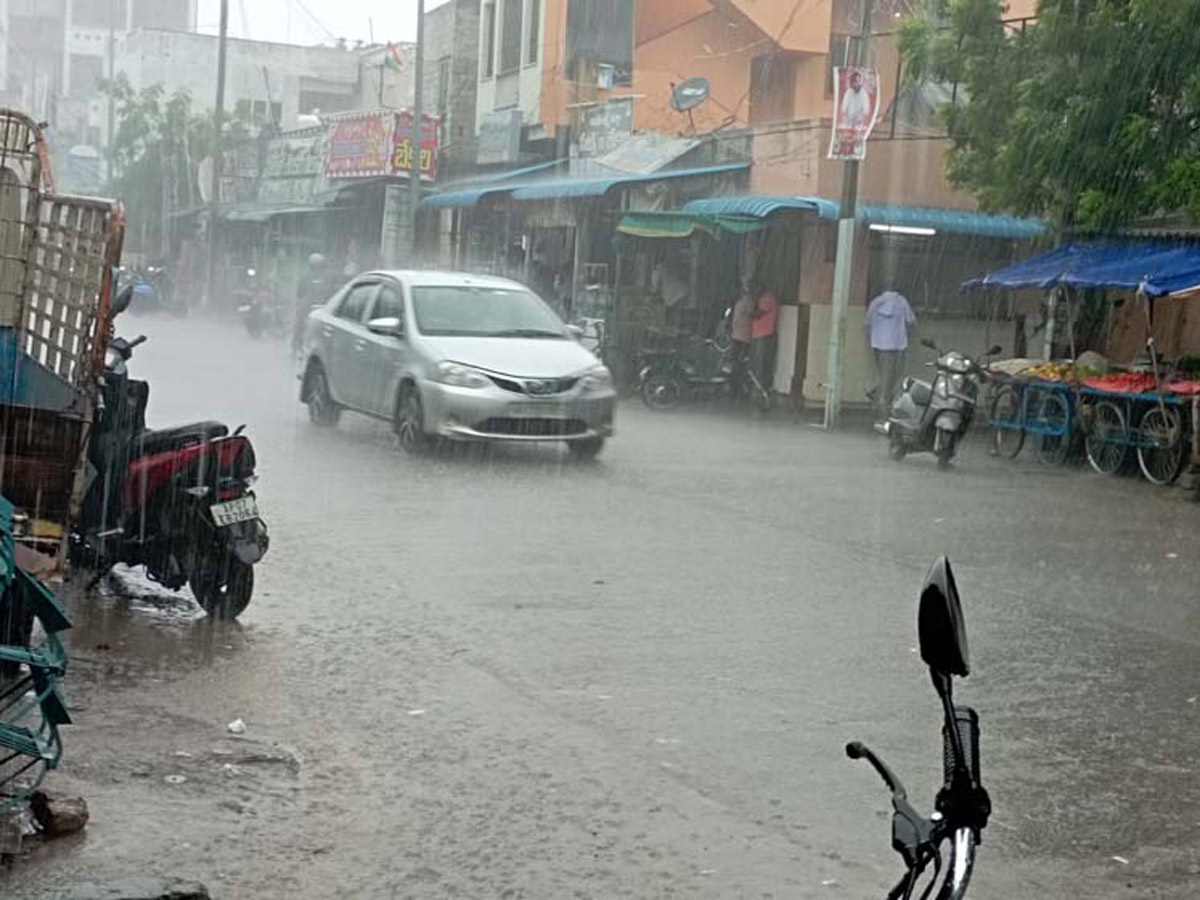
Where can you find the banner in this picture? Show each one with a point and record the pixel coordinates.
(373, 144)
(855, 108)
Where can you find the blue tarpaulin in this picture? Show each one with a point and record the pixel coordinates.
(1158, 267)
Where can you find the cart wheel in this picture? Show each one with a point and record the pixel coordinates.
(1160, 450)
(1108, 440)
(1053, 438)
(1008, 434)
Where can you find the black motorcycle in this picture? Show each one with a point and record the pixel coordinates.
(962, 806)
(176, 500)
(699, 369)
(934, 417)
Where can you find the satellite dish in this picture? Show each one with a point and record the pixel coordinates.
(689, 94)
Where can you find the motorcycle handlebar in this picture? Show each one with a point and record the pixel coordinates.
(966, 722)
(140, 339)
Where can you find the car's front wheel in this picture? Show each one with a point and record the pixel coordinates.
(410, 422)
(323, 411)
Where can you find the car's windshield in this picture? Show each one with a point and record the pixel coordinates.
(474, 311)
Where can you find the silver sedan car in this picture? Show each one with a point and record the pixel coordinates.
(461, 357)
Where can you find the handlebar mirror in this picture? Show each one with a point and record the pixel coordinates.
(940, 625)
(575, 331)
(994, 350)
(928, 342)
(121, 301)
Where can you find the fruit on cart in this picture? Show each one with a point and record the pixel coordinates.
(1059, 371)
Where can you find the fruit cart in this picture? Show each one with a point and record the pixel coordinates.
(1039, 410)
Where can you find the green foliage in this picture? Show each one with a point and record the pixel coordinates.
(157, 148)
(1089, 115)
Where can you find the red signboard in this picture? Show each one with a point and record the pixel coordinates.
(371, 144)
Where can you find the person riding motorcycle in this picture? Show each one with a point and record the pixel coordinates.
(311, 292)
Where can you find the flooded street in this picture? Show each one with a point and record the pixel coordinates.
(512, 675)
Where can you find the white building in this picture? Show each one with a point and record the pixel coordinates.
(511, 38)
(279, 81)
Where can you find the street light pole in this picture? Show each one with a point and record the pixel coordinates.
(843, 265)
(418, 115)
(214, 199)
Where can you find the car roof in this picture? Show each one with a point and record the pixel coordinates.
(443, 278)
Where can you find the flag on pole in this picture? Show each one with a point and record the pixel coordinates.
(392, 58)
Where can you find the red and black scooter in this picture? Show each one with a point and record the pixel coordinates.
(176, 500)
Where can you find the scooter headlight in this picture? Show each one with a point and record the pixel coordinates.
(958, 383)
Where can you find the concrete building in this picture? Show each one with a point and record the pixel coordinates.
(281, 82)
(451, 81)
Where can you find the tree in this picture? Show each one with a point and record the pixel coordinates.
(1089, 115)
(156, 151)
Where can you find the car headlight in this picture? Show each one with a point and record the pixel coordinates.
(597, 380)
(458, 375)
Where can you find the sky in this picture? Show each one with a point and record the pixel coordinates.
(315, 21)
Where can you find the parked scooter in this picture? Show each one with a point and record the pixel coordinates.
(168, 297)
(260, 309)
(176, 500)
(934, 417)
(962, 805)
(699, 369)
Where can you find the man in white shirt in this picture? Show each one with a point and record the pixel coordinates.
(889, 320)
(856, 104)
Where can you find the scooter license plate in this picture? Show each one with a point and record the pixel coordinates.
(231, 512)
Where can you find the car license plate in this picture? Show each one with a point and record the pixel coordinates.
(240, 510)
(540, 410)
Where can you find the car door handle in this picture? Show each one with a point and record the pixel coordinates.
(327, 331)
(360, 345)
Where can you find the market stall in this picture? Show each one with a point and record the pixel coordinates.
(1143, 406)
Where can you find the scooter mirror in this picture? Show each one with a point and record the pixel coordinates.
(928, 342)
(122, 300)
(575, 331)
(940, 626)
(994, 350)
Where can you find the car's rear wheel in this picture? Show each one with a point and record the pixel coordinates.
(323, 411)
(410, 422)
(586, 450)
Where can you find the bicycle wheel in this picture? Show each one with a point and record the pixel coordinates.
(1108, 441)
(1053, 434)
(1160, 449)
(1008, 433)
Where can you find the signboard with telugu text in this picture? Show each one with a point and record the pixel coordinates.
(378, 143)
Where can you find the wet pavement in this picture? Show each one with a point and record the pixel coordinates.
(508, 675)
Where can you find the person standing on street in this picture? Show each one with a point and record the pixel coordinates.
(889, 320)
(742, 324)
(762, 337)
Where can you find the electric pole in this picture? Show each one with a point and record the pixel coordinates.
(843, 266)
(214, 199)
(109, 102)
(418, 115)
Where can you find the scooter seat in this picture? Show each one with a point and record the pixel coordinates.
(159, 441)
(920, 391)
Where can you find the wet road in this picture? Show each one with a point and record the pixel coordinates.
(513, 676)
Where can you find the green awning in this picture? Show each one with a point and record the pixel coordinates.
(677, 224)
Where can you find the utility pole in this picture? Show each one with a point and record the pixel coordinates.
(214, 199)
(418, 116)
(843, 265)
(110, 103)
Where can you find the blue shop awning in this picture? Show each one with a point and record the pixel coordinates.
(761, 206)
(1158, 267)
(458, 199)
(592, 186)
(952, 221)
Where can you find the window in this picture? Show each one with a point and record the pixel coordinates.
(355, 302)
(86, 73)
(489, 39)
(535, 31)
(389, 304)
(600, 32)
(772, 88)
(510, 36)
(484, 312)
(443, 85)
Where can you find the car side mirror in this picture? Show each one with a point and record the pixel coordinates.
(940, 626)
(388, 325)
(928, 342)
(994, 350)
(121, 301)
(575, 331)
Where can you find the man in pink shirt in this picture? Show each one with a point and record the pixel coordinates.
(762, 337)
